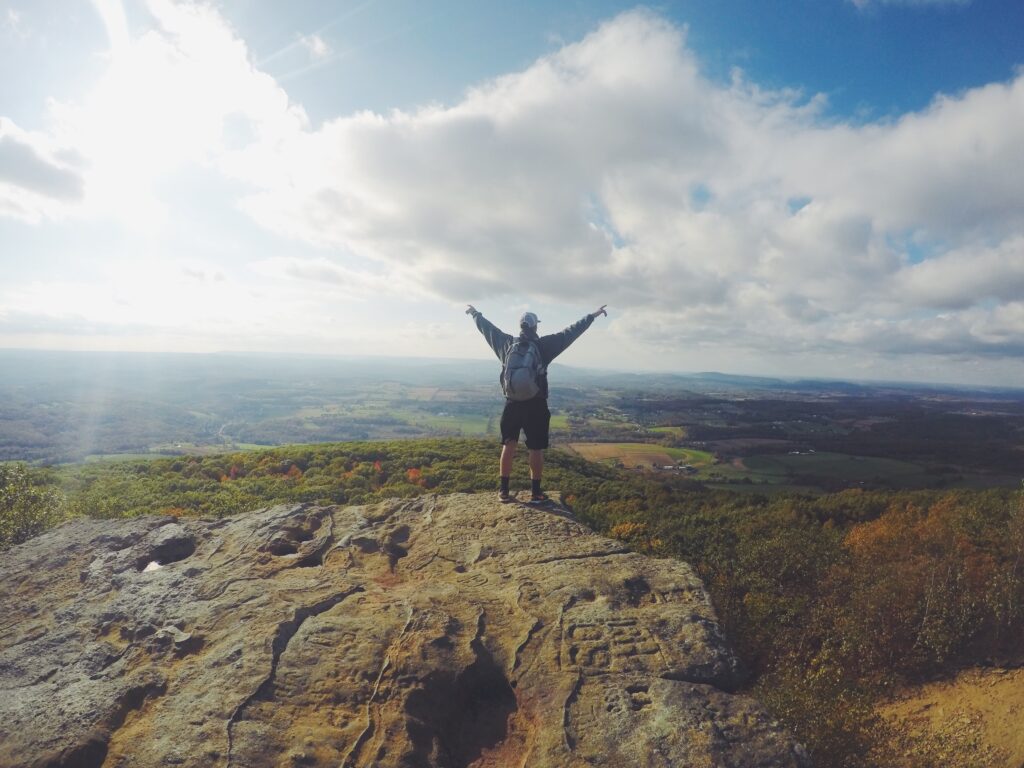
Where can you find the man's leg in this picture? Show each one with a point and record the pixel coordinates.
(536, 463)
(537, 429)
(508, 453)
(510, 428)
(536, 469)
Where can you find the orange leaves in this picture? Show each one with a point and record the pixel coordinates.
(636, 535)
(906, 531)
(628, 530)
(867, 539)
(920, 585)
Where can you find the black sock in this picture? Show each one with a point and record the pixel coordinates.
(535, 485)
(504, 484)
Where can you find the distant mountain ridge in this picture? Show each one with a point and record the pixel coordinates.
(25, 366)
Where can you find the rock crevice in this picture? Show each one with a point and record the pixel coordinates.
(282, 637)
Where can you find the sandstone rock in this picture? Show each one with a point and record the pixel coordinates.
(448, 631)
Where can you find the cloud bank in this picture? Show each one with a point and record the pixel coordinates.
(610, 171)
(35, 176)
(614, 170)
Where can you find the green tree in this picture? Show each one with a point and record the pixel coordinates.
(27, 508)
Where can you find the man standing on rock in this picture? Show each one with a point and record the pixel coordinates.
(524, 380)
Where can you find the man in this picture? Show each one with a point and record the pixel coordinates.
(528, 415)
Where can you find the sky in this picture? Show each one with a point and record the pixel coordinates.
(826, 188)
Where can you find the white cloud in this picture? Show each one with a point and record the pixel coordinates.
(331, 277)
(115, 22)
(915, 3)
(315, 45)
(708, 216)
(171, 100)
(12, 22)
(37, 178)
(574, 180)
(965, 277)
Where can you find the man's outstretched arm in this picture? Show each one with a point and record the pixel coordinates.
(557, 343)
(496, 338)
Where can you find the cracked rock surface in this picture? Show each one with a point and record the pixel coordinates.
(448, 631)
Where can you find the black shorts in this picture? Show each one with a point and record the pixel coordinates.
(530, 416)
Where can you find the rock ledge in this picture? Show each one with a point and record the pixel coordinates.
(448, 631)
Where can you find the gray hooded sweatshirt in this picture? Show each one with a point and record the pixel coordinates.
(551, 346)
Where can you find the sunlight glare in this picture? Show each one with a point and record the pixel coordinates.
(167, 102)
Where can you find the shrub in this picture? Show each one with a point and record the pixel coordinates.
(27, 507)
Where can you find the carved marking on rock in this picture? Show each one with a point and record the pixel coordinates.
(599, 646)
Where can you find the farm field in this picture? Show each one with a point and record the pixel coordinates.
(646, 455)
(559, 421)
(94, 458)
(469, 425)
(809, 469)
(677, 432)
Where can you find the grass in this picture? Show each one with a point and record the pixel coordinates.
(559, 421)
(171, 450)
(594, 421)
(94, 458)
(313, 412)
(422, 393)
(766, 488)
(185, 448)
(430, 417)
(465, 425)
(784, 471)
(469, 425)
(676, 432)
(641, 454)
(840, 466)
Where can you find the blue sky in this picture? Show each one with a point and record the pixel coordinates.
(806, 187)
(871, 60)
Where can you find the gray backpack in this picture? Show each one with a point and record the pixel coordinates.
(522, 370)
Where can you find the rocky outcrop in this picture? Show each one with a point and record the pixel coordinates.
(448, 631)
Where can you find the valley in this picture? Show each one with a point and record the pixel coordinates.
(730, 432)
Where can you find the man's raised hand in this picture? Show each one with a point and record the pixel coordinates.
(599, 311)
(470, 309)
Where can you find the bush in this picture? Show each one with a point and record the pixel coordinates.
(27, 507)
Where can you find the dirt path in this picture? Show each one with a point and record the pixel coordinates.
(975, 719)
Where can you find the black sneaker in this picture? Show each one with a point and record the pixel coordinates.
(504, 497)
(539, 498)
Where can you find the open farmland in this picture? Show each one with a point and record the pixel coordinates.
(844, 467)
(678, 433)
(830, 471)
(814, 468)
(646, 455)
